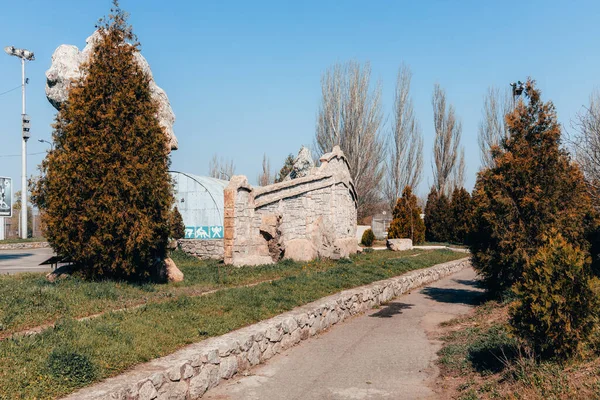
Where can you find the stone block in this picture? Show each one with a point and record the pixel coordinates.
(399, 244)
(147, 391)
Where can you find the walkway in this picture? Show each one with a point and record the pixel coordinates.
(385, 354)
(24, 260)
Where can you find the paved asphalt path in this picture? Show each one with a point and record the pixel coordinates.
(24, 260)
(384, 354)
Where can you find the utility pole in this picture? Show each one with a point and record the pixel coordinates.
(24, 55)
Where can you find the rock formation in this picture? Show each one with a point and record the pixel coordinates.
(65, 68)
(303, 165)
(309, 216)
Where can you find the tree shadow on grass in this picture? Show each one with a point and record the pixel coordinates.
(391, 309)
(492, 352)
(455, 296)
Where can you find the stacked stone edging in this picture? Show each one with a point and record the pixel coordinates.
(204, 249)
(24, 245)
(190, 372)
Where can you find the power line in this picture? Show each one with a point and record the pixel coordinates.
(11, 90)
(18, 155)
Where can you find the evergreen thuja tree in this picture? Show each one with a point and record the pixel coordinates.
(288, 166)
(555, 314)
(407, 222)
(532, 188)
(437, 217)
(105, 193)
(461, 210)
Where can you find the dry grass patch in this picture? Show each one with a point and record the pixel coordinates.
(480, 359)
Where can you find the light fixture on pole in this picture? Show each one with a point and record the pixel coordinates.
(45, 141)
(517, 90)
(24, 55)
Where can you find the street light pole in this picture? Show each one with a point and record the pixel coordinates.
(23, 162)
(24, 55)
(47, 142)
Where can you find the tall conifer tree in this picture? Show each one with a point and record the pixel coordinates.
(532, 187)
(105, 192)
(407, 222)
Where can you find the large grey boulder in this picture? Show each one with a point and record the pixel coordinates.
(399, 244)
(65, 68)
(303, 164)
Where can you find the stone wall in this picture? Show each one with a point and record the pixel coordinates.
(302, 219)
(24, 245)
(190, 372)
(203, 249)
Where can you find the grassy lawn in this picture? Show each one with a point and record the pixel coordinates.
(35, 366)
(17, 240)
(481, 360)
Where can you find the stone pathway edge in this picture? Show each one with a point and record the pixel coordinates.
(191, 371)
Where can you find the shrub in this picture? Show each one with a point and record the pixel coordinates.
(368, 237)
(407, 222)
(437, 217)
(71, 366)
(532, 188)
(105, 192)
(556, 306)
(177, 226)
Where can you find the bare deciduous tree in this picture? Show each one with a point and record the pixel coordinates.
(586, 145)
(265, 178)
(448, 130)
(457, 178)
(350, 116)
(404, 164)
(220, 168)
(492, 127)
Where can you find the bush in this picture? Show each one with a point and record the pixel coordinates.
(407, 222)
(177, 226)
(71, 366)
(532, 188)
(368, 238)
(105, 193)
(556, 306)
(437, 217)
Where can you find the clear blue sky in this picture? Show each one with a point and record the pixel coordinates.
(243, 77)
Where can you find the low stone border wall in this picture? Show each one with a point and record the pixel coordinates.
(24, 245)
(190, 372)
(203, 249)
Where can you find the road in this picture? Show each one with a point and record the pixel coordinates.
(24, 260)
(385, 354)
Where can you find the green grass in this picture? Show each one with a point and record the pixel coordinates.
(110, 344)
(17, 240)
(29, 300)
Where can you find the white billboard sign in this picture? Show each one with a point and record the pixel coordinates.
(6, 197)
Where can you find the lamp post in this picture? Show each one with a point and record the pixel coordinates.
(517, 89)
(24, 55)
(50, 143)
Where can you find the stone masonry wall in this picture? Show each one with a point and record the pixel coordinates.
(302, 219)
(190, 372)
(24, 245)
(203, 249)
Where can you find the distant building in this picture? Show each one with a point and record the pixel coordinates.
(380, 224)
(200, 202)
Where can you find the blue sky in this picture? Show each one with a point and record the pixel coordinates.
(243, 77)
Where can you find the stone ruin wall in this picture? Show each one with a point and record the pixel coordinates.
(313, 216)
(203, 249)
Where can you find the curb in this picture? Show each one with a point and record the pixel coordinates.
(191, 371)
(25, 245)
